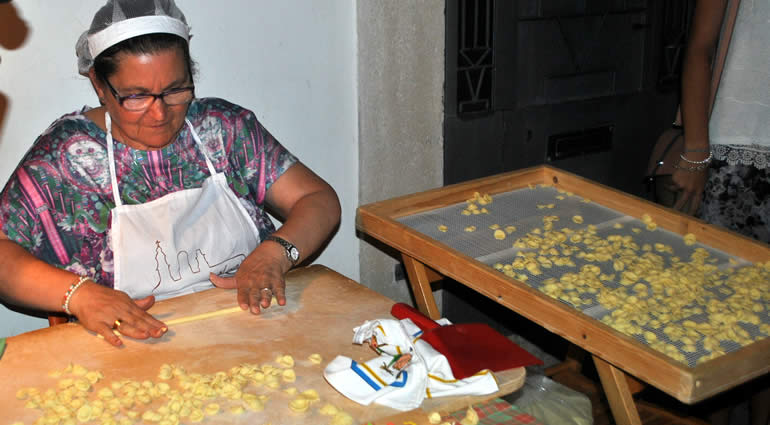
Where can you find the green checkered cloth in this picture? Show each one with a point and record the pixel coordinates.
(496, 412)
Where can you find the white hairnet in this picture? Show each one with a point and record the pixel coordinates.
(119, 20)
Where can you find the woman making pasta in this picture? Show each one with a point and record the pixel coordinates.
(155, 193)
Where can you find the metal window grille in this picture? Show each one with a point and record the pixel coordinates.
(475, 57)
(676, 23)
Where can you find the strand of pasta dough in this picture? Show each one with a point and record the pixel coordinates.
(203, 316)
(190, 318)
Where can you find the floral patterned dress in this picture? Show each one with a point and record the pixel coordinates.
(57, 203)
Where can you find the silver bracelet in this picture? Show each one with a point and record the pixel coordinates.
(705, 161)
(68, 295)
(699, 167)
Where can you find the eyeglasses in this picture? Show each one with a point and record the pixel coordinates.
(140, 102)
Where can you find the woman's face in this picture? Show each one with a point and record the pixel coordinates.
(158, 125)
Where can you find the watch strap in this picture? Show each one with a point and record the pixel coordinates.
(287, 246)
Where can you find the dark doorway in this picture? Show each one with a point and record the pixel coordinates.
(586, 86)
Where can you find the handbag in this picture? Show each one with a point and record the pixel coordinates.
(665, 153)
(670, 144)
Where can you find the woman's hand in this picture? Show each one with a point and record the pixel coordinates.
(690, 184)
(101, 310)
(310, 211)
(259, 278)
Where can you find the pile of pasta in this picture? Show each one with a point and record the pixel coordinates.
(178, 396)
(676, 306)
(692, 309)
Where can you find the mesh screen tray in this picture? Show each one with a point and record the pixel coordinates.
(675, 295)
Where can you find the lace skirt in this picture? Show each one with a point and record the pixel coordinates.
(737, 197)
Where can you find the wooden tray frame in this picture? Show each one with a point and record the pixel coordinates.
(688, 385)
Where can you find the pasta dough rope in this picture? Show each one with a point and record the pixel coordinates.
(204, 316)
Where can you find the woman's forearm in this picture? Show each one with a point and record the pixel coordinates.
(29, 282)
(696, 72)
(696, 78)
(308, 207)
(311, 221)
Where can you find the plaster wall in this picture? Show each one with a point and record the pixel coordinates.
(400, 114)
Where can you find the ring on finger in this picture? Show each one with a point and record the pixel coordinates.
(266, 289)
(117, 323)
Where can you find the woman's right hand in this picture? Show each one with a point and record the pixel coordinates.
(690, 186)
(102, 310)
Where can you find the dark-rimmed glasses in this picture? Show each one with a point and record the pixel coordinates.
(140, 102)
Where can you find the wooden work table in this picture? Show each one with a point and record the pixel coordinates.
(617, 356)
(322, 309)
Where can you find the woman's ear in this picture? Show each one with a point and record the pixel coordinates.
(97, 85)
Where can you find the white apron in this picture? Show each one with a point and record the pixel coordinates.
(168, 246)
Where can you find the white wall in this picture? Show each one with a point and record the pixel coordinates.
(293, 62)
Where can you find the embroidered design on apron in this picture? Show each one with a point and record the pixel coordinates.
(167, 247)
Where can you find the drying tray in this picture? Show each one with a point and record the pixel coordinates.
(440, 230)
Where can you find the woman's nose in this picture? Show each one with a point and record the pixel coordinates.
(158, 109)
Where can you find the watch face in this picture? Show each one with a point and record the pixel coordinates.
(294, 254)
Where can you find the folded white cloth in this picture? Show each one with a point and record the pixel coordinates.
(428, 374)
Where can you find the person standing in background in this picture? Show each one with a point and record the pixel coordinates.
(722, 174)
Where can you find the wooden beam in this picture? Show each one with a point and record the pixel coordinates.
(618, 394)
(423, 294)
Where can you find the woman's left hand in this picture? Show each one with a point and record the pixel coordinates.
(259, 278)
(310, 210)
